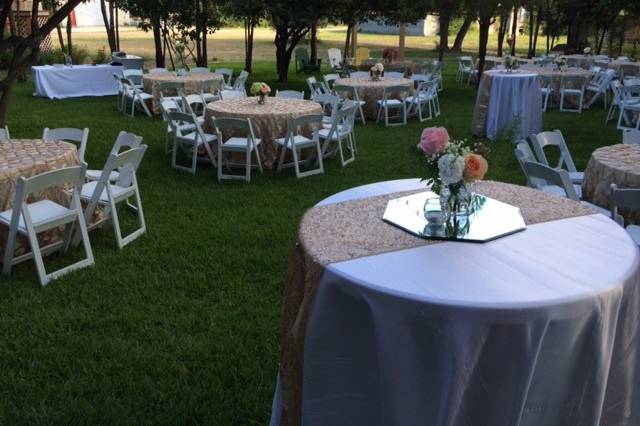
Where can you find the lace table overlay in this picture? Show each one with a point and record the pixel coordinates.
(619, 164)
(346, 231)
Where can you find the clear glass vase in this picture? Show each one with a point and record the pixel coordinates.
(455, 202)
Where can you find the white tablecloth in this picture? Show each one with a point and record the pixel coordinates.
(514, 98)
(79, 80)
(539, 328)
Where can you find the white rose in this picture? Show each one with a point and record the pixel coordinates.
(451, 169)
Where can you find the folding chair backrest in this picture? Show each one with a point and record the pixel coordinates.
(193, 104)
(211, 86)
(573, 81)
(626, 198)
(241, 80)
(289, 94)
(524, 154)
(227, 73)
(158, 71)
(234, 124)
(178, 118)
(167, 106)
(78, 137)
(420, 78)
(171, 88)
(126, 141)
(314, 120)
(4, 134)
(554, 139)
(551, 176)
(50, 179)
(231, 94)
(631, 137)
(394, 75)
(335, 57)
(200, 70)
(302, 56)
(391, 92)
(135, 76)
(329, 79)
(360, 74)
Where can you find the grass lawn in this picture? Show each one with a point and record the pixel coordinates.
(182, 325)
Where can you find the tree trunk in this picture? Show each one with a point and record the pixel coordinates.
(536, 33)
(5, 100)
(347, 41)
(514, 30)
(204, 60)
(457, 44)
(283, 56)
(485, 24)
(69, 44)
(531, 30)
(107, 18)
(601, 40)
(402, 39)
(314, 44)
(249, 27)
(444, 21)
(502, 30)
(354, 39)
(157, 42)
(117, 28)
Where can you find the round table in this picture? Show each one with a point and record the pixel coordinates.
(30, 157)
(537, 328)
(269, 121)
(582, 61)
(191, 82)
(619, 164)
(508, 100)
(371, 91)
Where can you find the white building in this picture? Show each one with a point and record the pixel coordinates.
(89, 15)
(424, 27)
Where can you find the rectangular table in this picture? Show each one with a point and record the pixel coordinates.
(130, 62)
(60, 82)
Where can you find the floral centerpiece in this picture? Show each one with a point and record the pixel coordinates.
(587, 51)
(452, 164)
(376, 71)
(560, 63)
(261, 90)
(511, 63)
(180, 48)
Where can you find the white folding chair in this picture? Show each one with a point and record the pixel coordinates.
(124, 141)
(200, 70)
(194, 104)
(341, 130)
(103, 192)
(631, 137)
(555, 139)
(395, 75)
(289, 94)
(171, 90)
(135, 76)
(78, 137)
(30, 219)
(120, 97)
(248, 145)
(629, 108)
(547, 90)
(524, 154)
(137, 97)
(166, 107)
(627, 198)
(158, 71)
(600, 87)
(572, 86)
(316, 87)
(231, 94)
(240, 83)
(330, 79)
(4, 134)
(226, 73)
(350, 93)
(393, 98)
(210, 90)
(189, 137)
(424, 98)
(329, 104)
(360, 75)
(335, 57)
(295, 142)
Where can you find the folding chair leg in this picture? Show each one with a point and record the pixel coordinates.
(8, 251)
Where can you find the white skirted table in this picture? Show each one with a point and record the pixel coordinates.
(60, 81)
(508, 101)
(382, 328)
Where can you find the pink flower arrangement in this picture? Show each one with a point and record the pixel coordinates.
(434, 140)
(265, 89)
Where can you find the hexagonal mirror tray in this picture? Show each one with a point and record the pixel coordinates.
(488, 219)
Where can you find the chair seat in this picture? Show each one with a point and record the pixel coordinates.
(118, 192)
(418, 98)
(210, 97)
(95, 175)
(556, 190)
(192, 136)
(237, 144)
(298, 140)
(634, 233)
(41, 212)
(390, 103)
(340, 131)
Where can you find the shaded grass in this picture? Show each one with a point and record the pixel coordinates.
(182, 325)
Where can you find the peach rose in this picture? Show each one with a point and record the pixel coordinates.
(265, 89)
(475, 167)
(434, 140)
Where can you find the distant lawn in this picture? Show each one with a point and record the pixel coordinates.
(182, 325)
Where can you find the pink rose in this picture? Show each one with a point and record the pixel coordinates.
(434, 140)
